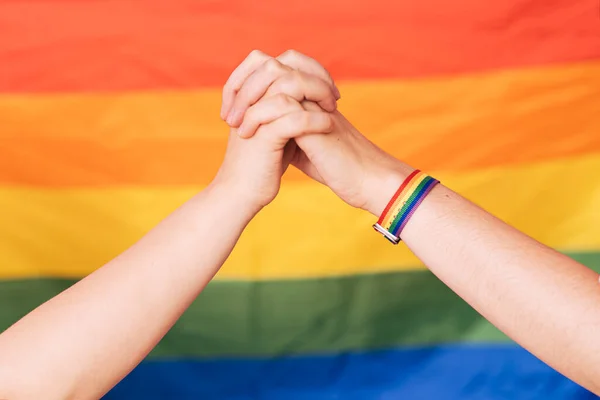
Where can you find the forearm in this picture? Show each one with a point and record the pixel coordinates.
(83, 341)
(542, 299)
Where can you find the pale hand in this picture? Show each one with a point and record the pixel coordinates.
(358, 171)
(252, 168)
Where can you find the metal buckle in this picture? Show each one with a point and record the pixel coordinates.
(393, 239)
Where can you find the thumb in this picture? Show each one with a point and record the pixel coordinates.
(310, 105)
(302, 162)
(296, 124)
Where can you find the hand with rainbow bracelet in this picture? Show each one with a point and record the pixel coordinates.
(359, 172)
(537, 296)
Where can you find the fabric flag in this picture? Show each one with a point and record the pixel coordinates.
(109, 119)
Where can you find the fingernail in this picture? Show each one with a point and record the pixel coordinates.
(336, 92)
(241, 131)
(231, 117)
(224, 113)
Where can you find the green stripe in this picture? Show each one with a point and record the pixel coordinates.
(307, 316)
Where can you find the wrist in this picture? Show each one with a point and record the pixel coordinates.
(230, 196)
(383, 183)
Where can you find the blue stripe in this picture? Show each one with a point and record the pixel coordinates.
(447, 372)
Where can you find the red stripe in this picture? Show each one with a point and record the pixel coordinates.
(404, 184)
(114, 45)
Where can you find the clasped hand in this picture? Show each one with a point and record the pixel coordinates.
(283, 111)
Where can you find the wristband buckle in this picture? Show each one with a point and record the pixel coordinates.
(393, 239)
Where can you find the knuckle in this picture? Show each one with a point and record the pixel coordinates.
(251, 115)
(241, 97)
(292, 84)
(272, 65)
(284, 82)
(328, 122)
(283, 99)
(296, 76)
(255, 54)
(290, 53)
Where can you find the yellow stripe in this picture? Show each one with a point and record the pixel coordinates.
(70, 232)
(402, 199)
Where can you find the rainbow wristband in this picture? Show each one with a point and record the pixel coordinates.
(403, 205)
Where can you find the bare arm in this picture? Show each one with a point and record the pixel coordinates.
(545, 301)
(542, 299)
(81, 343)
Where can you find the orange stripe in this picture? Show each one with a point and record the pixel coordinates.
(177, 138)
(135, 44)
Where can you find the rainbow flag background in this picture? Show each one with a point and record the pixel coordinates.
(109, 119)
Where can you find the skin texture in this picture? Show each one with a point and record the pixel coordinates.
(542, 299)
(82, 342)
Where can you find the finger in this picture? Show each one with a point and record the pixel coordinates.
(301, 161)
(309, 105)
(304, 63)
(266, 111)
(295, 124)
(254, 88)
(254, 60)
(302, 86)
